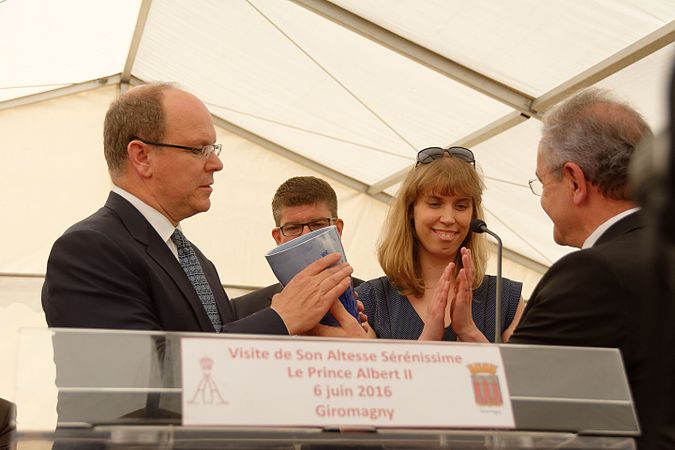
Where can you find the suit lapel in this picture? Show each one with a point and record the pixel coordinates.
(631, 222)
(628, 224)
(141, 230)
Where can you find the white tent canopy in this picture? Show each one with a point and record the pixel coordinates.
(347, 90)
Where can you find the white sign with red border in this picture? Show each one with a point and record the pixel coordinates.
(338, 383)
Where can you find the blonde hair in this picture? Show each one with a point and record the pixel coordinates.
(398, 251)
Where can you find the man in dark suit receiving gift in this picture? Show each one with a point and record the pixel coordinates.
(300, 205)
(129, 266)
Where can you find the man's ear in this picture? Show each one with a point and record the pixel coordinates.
(339, 224)
(276, 234)
(139, 158)
(577, 182)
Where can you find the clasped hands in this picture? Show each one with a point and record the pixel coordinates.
(452, 298)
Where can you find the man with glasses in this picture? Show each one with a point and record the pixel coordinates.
(129, 266)
(300, 205)
(590, 297)
(599, 295)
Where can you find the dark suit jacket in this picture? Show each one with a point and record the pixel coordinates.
(598, 297)
(7, 425)
(112, 270)
(260, 299)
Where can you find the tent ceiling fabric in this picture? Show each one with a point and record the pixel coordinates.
(47, 45)
(520, 43)
(312, 80)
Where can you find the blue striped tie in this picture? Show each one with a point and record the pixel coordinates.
(195, 273)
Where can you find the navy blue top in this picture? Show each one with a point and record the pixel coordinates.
(393, 317)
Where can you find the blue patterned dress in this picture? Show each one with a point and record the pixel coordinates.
(393, 317)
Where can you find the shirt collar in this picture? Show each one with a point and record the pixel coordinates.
(595, 235)
(159, 222)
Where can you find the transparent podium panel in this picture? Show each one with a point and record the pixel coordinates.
(579, 389)
(82, 378)
(123, 389)
(167, 437)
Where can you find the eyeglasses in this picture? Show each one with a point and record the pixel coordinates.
(295, 229)
(204, 151)
(536, 186)
(431, 154)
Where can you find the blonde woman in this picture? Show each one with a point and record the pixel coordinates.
(429, 253)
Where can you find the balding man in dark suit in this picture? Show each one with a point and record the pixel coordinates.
(129, 266)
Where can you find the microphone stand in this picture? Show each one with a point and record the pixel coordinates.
(498, 300)
(479, 226)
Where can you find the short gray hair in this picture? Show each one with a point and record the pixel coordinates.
(597, 132)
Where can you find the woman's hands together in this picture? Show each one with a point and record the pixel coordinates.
(454, 295)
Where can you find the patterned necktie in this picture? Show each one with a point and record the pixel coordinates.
(195, 273)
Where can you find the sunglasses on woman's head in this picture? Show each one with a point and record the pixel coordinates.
(431, 154)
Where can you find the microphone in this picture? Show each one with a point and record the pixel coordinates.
(479, 226)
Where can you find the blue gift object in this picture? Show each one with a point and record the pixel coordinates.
(348, 300)
(287, 259)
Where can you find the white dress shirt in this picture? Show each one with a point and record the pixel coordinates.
(159, 222)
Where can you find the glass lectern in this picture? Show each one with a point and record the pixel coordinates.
(123, 389)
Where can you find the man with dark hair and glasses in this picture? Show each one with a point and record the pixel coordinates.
(300, 205)
(129, 266)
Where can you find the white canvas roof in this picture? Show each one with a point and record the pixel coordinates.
(347, 90)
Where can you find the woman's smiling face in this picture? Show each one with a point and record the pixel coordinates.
(442, 222)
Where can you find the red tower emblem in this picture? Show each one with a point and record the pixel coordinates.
(485, 382)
